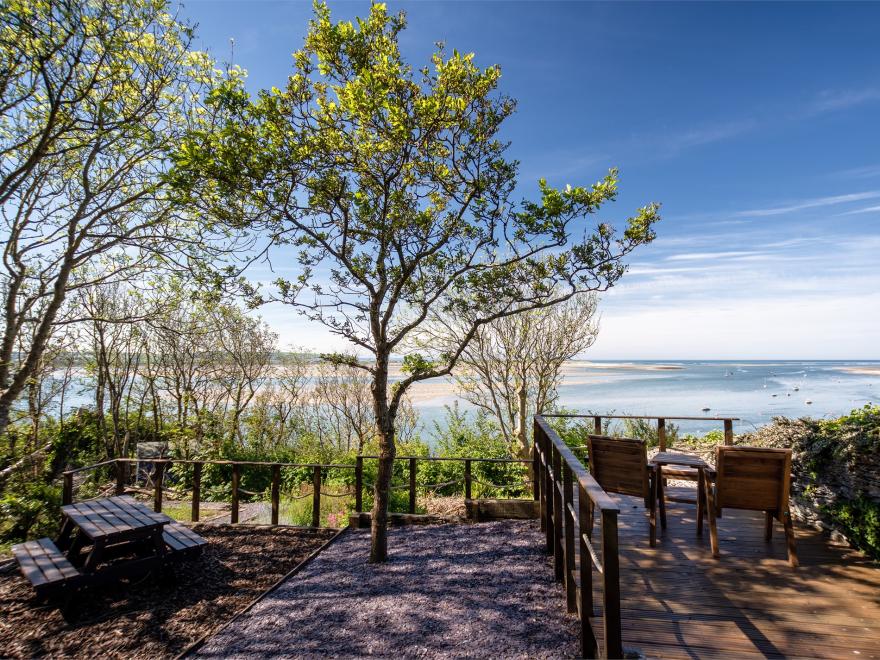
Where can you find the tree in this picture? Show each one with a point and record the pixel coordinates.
(512, 366)
(93, 96)
(391, 188)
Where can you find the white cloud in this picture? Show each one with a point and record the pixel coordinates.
(815, 202)
(700, 256)
(870, 209)
(830, 101)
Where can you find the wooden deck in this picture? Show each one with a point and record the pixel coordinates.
(678, 602)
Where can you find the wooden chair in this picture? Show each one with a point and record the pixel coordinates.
(754, 479)
(620, 465)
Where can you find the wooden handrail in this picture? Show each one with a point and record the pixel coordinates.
(557, 473)
(160, 464)
(661, 423)
(603, 416)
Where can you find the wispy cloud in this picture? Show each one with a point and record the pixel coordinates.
(700, 256)
(864, 172)
(707, 134)
(869, 209)
(815, 202)
(833, 100)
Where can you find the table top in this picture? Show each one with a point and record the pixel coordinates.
(672, 458)
(113, 517)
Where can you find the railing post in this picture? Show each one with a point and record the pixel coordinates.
(588, 639)
(557, 516)
(121, 474)
(316, 498)
(536, 481)
(158, 475)
(538, 447)
(661, 433)
(197, 492)
(611, 586)
(67, 491)
(358, 484)
(568, 516)
(236, 477)
(728, 431)
(276, 492)
(597, 425)
(467, 479)
(549, 490)
(412, 485)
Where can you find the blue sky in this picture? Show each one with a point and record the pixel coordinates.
(756, 125)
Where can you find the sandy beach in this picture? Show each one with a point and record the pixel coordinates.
(862, 371)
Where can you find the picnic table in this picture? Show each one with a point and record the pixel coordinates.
(107, 529)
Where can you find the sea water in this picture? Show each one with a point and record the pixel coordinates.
(753, 391)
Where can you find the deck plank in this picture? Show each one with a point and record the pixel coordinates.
(679, 602)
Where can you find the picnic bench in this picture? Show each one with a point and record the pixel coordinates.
(97, 532)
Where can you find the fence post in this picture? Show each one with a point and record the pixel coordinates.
(568, 504)
(536, 482)
(412, 485)
(588, 639)
(467, 479)
(728, 431)
(276, 492)
(661, 433)
(557, 516)
(611, 586)
(548, 490)
(538, 446)
(197, 492)
(359, 484)
(236, 477)
(121, 474)
(316, 498)
(67, 491)
(158, 475)
(597, 425)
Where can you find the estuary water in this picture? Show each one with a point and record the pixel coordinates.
(754, 391)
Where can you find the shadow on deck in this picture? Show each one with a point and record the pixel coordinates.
(679, 602)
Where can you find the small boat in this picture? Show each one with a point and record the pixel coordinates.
(808, 402)
(797, 389)
(773, 395)
(706, 409)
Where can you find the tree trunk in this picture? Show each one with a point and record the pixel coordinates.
(387, 450)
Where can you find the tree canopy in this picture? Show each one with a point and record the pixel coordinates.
(392, 187)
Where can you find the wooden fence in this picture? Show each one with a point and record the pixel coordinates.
(160, 466)
(559, 470)
(661, 424)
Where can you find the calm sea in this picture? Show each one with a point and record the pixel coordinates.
(754, 391)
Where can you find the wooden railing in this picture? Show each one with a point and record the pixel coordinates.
(160, 466)
(558, 476)
(661, 424)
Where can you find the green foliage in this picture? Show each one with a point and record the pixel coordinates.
(860, 521)
(29, 509)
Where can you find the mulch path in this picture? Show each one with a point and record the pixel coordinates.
(156, 616)
(452, 591)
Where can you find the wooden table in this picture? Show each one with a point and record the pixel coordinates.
(704, 477)
(118, 523)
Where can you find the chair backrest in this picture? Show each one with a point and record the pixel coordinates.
(753, 478)
(620, 465)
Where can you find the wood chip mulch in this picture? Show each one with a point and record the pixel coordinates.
(156, 616)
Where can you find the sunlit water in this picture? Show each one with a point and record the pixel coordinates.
(754, 391)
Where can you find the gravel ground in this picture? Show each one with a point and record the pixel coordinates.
(157, 616)
(483, 590)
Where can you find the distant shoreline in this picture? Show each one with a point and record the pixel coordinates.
(861, 371)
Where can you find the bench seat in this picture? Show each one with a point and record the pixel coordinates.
(45, 566)
(180, 539)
